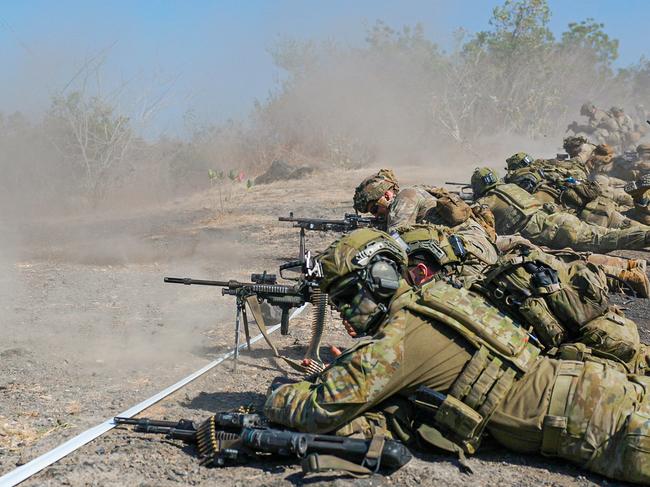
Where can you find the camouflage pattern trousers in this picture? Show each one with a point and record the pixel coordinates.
(597, 417)
(589, 413)
(641, 210)
(603, 212)
(559, 230)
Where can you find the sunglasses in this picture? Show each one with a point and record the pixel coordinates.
(344, 291)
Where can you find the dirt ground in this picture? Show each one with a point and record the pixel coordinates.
(89, 329)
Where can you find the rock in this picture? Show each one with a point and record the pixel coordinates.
(281, 171)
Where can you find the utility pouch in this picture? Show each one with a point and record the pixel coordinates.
(454, 419)
(547, 328)
(450, 208)
(461, 421)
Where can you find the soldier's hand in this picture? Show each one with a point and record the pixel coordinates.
(336, 351)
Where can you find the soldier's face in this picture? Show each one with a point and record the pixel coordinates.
(381, 206)
(357, 307)
(358, 315)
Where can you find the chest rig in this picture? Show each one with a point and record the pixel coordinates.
(515, 207)
(552, 298)
(455, 420)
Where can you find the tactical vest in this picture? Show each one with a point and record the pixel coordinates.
(503, 353)
(549, 185)
(563, 169)
(556, 300)
(516, 208)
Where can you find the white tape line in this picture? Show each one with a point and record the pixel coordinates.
(25, 471)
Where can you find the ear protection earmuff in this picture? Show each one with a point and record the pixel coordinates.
(382, 277)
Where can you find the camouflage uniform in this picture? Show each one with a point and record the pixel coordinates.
(562, 302)
(640, 189)
(488, 374)
(552, 183)
(516, 211)
(596, 163)
(581, 198)
(600, 125)
(411, 205)
(627, 135)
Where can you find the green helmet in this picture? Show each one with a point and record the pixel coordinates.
(353, 252)
(587, 108)
(518, 160)
(362, 271)
(373, 188)
(483, 179)
(431, 240)
(572, 144)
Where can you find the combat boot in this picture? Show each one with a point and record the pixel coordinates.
(637, 264)
(637, 279)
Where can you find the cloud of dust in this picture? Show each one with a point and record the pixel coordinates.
(95, 245)
(106, 315)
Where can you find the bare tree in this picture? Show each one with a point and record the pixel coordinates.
(87, 127)
(89, 134)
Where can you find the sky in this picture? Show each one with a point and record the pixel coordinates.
(208, 60)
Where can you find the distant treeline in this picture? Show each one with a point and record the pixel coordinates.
(398, 97)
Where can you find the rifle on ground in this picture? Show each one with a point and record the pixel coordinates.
(349, 222)
(265, 288)
(232, 438)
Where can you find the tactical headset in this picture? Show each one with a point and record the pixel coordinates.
(381, 277)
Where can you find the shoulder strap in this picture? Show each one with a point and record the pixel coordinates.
(256, 311)
(316, 463)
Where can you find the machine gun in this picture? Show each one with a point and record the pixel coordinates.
(232, 438)
(465, 192)
(350, 221)
(265, 288)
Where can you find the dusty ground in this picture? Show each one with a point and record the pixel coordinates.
(89, 329)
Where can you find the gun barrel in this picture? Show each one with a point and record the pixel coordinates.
(202, 282)
(311, 221)
(184, 429)
(350, 221)
(180, 430)
(451, 183)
